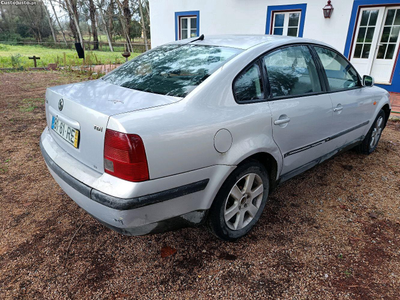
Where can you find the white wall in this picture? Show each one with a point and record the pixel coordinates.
(248, 17)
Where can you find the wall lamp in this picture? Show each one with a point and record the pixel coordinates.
(328, 9)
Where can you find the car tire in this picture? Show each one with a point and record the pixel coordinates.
(240, 201)
(371, 140)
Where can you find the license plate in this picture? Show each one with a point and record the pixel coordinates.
(71, 135)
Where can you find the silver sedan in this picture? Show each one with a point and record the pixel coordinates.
(202, 130)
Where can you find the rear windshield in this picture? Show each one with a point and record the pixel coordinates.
(173, 70)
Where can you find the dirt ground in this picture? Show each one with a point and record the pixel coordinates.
(330, 233)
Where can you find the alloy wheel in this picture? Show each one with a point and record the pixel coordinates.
(243, 201)
(376, 132)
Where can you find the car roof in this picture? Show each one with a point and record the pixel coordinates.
(246, 41)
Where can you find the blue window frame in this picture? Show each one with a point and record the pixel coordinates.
(189, 18)
(395, 85)
(286, 8)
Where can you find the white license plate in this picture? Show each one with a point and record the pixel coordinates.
(71, 135)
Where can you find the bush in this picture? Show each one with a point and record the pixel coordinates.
(16, 60)
(11, 38)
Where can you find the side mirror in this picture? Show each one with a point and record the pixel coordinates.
(368, 80)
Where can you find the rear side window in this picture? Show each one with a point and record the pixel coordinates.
(341, 75)
(291, 71)
(248, 86)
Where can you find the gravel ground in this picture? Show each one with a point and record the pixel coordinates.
(331, 233)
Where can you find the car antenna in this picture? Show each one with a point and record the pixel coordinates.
(200, 38)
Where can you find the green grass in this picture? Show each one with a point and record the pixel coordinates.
(29, 104)
(17, 56)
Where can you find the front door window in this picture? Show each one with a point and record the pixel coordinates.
(339, 72)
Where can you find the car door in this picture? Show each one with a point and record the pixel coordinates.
(352, 103)
(301, 111)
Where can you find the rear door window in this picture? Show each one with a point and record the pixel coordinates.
(341, 75)
(292, 72)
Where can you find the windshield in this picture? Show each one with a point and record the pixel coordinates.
(173, 70)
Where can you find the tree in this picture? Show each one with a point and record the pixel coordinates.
(127, 15)
(58, 22)
(50, 22)
(141, 9)
(74, 23)
(102, 17)
(92, 11)
(136, 30)
(116, 18)
(124, 27)
(29, 20)
(143, 24)
(110, 16)
(6, 24)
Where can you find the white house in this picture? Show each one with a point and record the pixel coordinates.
(365, 31)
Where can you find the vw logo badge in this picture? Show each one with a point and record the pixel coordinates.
(61, 104)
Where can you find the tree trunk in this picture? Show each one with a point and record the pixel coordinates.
(90, 37)
(4, 16)
(58, 22)
(105, 27)
(34, 23)
(121, 19)
(72, 23)
(127, 16)
(74, 12)
(110, 13)
(92, 10)
(50, 23)
(143, 25)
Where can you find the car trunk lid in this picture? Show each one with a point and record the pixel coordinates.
(77, 115)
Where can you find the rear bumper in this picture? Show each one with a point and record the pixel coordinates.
(176, 206)
(122, 203)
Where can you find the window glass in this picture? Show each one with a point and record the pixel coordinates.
(390, 35)
(365, 33)
(294, 19)
(248, 86)
(184, 28)
(184, 23)
(278, 31)
(188, 27)
(173, 70)
(279, 19)
(292, 32)
(184, 34)
(341, 75)
(286, 23)
(193, 24)
(291, 71)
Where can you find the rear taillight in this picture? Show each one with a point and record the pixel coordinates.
(125, 156)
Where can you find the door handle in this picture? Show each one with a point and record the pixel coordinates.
(282, 121)
(339, 107)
